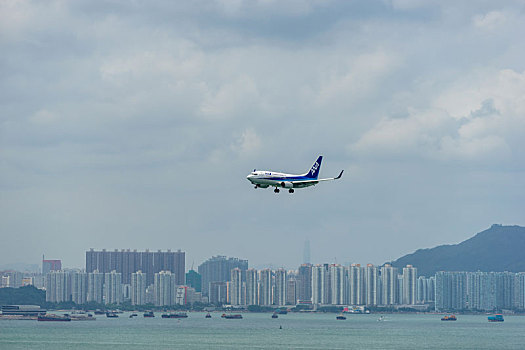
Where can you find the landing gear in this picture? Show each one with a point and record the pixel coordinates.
(291, 190)
(276, 190)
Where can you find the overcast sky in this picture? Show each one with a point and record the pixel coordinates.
(133, 124)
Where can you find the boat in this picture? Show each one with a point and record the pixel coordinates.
(110, 314)
(208, 315)
(449, 318)
(82, 317)
(53, 317)
(282, 311)
(149, 314)
(381, 318)
(99, 312)
(232, 316)
(496, 318)
(341, 317)
(274, 315)
(175, 315)
(133, 315)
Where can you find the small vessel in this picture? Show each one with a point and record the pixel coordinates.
(282, 311)
(149, 314)
(208, 315)
(341, 317)
(232, 316)
(449, 318)
(111, 314)
(496, 318)
(274, 315)
(133, 315)
(381, 318)
(53, 317)
(99, 312)
(175, 315)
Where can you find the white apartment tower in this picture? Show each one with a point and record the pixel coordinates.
(138, 288)
(113, 287)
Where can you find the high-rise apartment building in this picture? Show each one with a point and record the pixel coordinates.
(389, 282)
(95, 286)
(291, 291)
(321, 284)
(138, 288)
(280, 287)
(265, 287)
(127, 262)
(409, 285)
(58, 286)
(50, 265)
(356, 285)
(252, 287)
(304, 283)
(165, 288)
(112, 287)
(217, 269)
(372, 285)
(451, 291)
(338, 284)
(79, 287)
(236, 289)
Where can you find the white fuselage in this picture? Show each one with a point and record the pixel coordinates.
(264, 178)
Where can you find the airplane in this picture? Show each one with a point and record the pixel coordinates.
(266, 178)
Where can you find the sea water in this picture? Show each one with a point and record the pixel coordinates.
(260, 331)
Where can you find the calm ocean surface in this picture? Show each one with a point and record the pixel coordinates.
(260, 331)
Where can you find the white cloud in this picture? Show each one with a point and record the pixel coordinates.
(477, 119)
(490, 20)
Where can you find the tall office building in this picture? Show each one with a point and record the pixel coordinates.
(138, 288)
(356, 285)
(306, 253)
(95, 287)
(372, 285)
(236, 287)
(127, 262)
(252, 287)
(409, 285)
(165, 288)
(79, 287)
(451, 291)
(112, 287)
(217, 269)
(265, 287)
(280, 287)
(304, 283)
(389, 282)
(58, 286)
(194, 280)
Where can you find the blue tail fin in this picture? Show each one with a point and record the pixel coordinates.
(314, 170)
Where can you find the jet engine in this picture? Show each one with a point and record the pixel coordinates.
(287, 184)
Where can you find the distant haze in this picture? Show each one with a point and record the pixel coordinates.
(134, 124)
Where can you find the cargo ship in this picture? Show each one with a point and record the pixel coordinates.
(232, 317)
(496, 318)
(176, 315)
(53, 317)
(449, 318)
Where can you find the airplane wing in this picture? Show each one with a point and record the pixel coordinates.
(304, 183)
